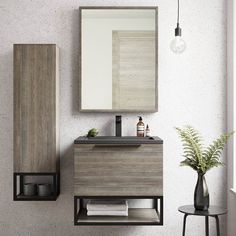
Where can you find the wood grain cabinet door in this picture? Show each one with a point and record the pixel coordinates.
(118, 170)
(36, 107)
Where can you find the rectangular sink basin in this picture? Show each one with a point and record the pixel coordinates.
(124, 140)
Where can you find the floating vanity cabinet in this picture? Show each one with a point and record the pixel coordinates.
(119, 168)
(36, 118)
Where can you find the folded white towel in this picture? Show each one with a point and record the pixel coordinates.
(107, 213)
(108, 205)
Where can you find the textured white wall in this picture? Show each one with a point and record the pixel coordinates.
(231, 118)
(191, 91)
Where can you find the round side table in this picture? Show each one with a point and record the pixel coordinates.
(213, 211)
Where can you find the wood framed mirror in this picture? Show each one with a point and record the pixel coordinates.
(118, 59)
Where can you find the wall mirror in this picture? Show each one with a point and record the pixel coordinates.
(118, 59)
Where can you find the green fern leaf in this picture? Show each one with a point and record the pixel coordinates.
(196, 157)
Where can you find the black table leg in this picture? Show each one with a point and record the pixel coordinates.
(184, 223)
(217, 225)
(207, 225)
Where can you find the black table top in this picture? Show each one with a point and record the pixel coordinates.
(212, 211)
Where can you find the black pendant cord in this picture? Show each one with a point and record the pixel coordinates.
(178, 14)
(178, 29)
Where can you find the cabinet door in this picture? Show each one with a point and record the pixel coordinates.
(118, 170)
(36, 100)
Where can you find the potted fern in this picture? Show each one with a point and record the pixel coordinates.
(201, 160)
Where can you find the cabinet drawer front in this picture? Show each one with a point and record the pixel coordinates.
(118, 170)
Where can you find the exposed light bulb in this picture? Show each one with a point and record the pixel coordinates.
(177, 45)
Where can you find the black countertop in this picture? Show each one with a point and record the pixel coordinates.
(118, 140)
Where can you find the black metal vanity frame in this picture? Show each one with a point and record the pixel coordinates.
(155, 200)
(18, 183)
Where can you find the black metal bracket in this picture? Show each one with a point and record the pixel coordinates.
(158, 206)
(19, 180)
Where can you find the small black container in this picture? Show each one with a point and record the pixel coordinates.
(44, 190)
(29, 189)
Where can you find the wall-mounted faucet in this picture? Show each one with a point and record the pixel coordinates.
(118, 126)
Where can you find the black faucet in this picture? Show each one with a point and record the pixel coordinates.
(118, 126)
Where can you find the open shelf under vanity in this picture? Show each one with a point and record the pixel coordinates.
(136, 216)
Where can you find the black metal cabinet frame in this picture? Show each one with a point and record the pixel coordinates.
(158, 206)
(19, 180)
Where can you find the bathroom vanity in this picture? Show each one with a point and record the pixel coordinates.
(119, 168)
(118, 73)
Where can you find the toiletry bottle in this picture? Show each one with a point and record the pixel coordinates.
(140, 127)
(147, 131)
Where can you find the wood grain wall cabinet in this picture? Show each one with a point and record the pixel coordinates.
(36, 111)
(119, 171)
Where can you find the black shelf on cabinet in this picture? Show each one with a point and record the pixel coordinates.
(136, 216)
(19, 180)
(22, 197)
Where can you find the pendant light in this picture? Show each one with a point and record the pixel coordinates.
(178, 45)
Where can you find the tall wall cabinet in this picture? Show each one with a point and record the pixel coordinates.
(36, 118)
